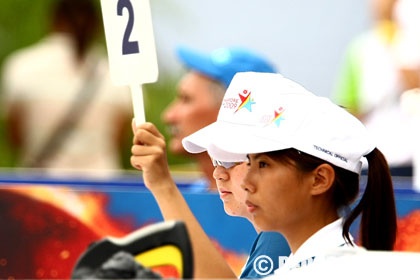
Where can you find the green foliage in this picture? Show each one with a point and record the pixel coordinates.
(22, 22)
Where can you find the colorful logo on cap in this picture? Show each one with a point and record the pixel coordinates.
(278, 116)
(246, 101)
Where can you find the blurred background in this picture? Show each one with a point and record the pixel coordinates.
(309, 42)
(306, 39)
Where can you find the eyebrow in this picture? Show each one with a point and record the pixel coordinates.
(255, 156)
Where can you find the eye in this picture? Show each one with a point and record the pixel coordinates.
(184, 99)
(262, 164)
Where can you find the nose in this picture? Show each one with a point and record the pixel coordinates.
(220, 173)
(168, 114)
(247, 184)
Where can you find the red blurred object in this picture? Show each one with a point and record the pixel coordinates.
(408, 237)
(38, 240)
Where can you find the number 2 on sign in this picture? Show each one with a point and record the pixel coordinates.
(128, 47)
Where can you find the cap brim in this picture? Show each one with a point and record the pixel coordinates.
(230, 142)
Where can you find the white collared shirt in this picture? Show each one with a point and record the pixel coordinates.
(316, 247)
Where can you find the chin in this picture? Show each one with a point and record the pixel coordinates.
(176, 148)
(263, 225)
(233, 212)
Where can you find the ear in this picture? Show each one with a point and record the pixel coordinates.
(324, 176)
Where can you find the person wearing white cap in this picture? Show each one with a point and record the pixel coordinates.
(199, 97)
(149, 155)
(305, 157)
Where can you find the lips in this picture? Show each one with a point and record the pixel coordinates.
(224, 193)
(250, 206)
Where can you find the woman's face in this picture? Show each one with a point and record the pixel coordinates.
(229, 181)
(278, 195)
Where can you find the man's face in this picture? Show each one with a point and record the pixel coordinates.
(194, 107)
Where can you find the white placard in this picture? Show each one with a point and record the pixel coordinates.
(131, 47)
(130, 41)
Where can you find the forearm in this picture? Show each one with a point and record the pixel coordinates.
(208, 261)
(149, 155)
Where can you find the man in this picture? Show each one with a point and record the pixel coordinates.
(58, 98)
(200, 93)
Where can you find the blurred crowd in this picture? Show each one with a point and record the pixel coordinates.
(62, 112)
(380, 67)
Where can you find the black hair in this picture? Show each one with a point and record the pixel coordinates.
(378, 224)
(79, 18)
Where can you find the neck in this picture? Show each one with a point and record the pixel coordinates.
(298, 234)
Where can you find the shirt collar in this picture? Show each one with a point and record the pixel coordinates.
(328, 237)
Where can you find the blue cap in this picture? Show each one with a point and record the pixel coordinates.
(222, 64)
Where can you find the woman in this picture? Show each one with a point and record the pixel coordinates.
(149, 155)
(229, 177)
(305, 156)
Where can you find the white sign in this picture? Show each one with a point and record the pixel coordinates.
(131, 47)
(130, 41)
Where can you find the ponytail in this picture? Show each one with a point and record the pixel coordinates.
(378, 224)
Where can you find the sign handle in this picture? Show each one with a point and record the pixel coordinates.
(138, 103)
